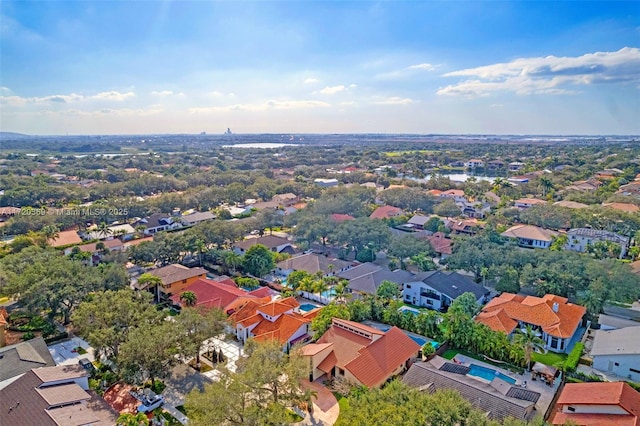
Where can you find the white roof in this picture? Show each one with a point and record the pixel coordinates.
(625, 341)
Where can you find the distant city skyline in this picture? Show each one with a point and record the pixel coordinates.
(483, 67)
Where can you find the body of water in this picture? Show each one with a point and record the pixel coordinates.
(489, 374)
(307, 307)
(259, 145)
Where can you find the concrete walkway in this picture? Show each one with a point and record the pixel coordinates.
(325, 408)
(175, 413)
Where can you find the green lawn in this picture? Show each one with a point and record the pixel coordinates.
(550, 358)
(449, 353)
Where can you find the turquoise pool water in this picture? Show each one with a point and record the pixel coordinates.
(489, 374)
(307, 307)
(419, 340)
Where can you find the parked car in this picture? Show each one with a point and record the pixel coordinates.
(149, 400)
(87, 365)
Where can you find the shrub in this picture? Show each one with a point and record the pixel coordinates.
(428, 350)
(28, 335)
(574, 357)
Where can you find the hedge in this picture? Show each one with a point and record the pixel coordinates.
(572, 360)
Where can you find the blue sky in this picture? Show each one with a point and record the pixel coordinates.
(300, 66)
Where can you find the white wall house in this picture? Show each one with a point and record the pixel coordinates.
(437, 289)
(580, 238)
(618, 352)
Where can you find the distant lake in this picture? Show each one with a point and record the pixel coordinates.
(460, 177)
(259, 145)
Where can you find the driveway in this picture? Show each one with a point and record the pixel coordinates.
(183, 380)
(325, 407)
(66, 353)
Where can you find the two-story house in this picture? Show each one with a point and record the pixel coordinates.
(437, 289)
(474, 163)
(556, 321)
(176, 278)
(597, 403)
(280, 320)
(158, 222)
(618, 352)
(272, 242)
(530, 236)
(581, 238)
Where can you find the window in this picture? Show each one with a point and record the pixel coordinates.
(341, 371)
(616, 364)
(570, 408)
(184, 281)
(429, 302)
(554, 342)
(634, 370)
(408, 285)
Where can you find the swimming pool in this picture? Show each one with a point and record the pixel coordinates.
(419, 340)
(307, 307)
(489, 374)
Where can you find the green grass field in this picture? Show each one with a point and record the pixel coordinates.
(550, 358)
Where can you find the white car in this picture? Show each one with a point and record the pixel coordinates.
(149, 400)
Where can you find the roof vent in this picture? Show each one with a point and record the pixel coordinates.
(455, 287)
(556, 306)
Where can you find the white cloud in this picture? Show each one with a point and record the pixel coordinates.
(162, 93)
(5, 90)
(422, 67)
(332, 90)
(113, 96)
(547, 75)
(65, 99)
(311, 80)
(394, 100)
(268, 105)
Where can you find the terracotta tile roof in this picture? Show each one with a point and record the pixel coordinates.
(385, 212)
(137, 241)
(497, 320)
(601, 393)
(345, 344)
(245, 311)
(592, 420)
(435, 192)
(212, 293)
(530, 201)
(66, 238)
(109, 244)
(379, 360)
(629, 208)
(262, 292)
(570, 204)
(357, 325)
(529, 232)
(314, 348)
(269, 241)
(278, 307)
(329, 362)
(282, 329)
(440, 243)
(337, 217)
(452, 193)
(536, 311)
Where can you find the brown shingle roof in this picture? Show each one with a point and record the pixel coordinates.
(269, 241)
(313, 263)
(529, 232)
(173, 273)
(625, 207)
(66, 393)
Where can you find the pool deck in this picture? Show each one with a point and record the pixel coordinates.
(408, 333)
(546, 392)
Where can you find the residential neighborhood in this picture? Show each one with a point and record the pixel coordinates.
(299, 294)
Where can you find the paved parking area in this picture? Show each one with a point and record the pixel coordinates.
(66, 353)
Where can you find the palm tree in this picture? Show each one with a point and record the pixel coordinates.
(321, 286)
(340, 291)
(50, 232)
(189, 298)
(148, 281)
(307, 399)
(529, 341)
(104, 230)
(128, 419)
(546, 184)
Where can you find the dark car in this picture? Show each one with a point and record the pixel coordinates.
(87, 365)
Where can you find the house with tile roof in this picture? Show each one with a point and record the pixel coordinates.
(386, 212)
(456, 195)
(367, 277)
(530, 236)
(597, 404)
(360, 354)
(221, 293)
(581, 238)
(66, 238)
(280, 320)
(312, 263)
(525, 203)
(272, 242)
(570, 204)
(124, 231)
(285, 200)
(418, 221)
(464, 227)
(196, 217)
(555, 320)
(54, 396)
(623, 207)
(176, 278)
(339, 218)
(498, 399)
(618, 352)
(442, 245)
(438, 289)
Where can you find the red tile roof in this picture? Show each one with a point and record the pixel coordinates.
(282, 329)
(440, 243)
(213, 294)
(497, 320)
(66, 238)
(625, 207)
(377, 362)
(537, 311)
(370, 355)
(337, 217)
(385, 212)
(599, 393)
